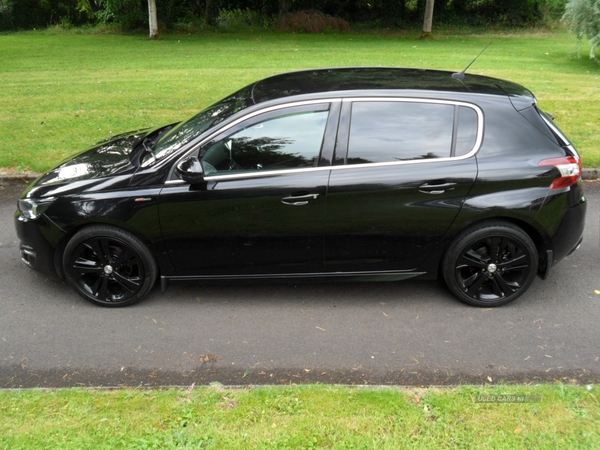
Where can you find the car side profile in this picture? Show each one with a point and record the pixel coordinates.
(363, 173)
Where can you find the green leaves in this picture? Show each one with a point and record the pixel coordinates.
(583, 17)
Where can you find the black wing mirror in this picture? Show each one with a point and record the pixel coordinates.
(190, 170)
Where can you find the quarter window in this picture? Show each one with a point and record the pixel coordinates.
(466, 133)
(285, 142)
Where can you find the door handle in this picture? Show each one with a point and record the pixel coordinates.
(299, 200)
(438, 188)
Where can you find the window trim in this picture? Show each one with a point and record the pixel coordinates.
(338, 107)
(563, 141)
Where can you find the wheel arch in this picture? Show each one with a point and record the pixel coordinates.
(109, 266)
(491, 262)
(59, 250)
(534, 234)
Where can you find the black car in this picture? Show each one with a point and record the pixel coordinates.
(329, 174)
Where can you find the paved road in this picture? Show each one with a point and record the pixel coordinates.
(410, 333)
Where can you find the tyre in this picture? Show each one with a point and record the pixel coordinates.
(109, 266)
(491, 264)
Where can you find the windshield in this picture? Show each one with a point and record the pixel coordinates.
(193, 127)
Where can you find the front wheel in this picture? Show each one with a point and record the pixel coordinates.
(109, 266)
(491, 264)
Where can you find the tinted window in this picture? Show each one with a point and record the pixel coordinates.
(285, 142)
(466, 133)
(399, 131)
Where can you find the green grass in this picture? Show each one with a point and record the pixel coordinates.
(301, 417)
(62, 92)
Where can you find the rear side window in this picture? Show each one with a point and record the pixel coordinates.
(406, 131)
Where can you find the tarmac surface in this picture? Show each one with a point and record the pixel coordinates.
(405, 333)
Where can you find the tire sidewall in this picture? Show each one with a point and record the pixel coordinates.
(149, 266)
(470, 236)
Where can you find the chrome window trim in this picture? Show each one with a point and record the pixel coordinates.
(258, 174)
(564, 141)
(261, 174)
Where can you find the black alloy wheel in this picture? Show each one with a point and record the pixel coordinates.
(491, 264)
(109, 266)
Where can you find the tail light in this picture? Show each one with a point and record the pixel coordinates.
(570, 168)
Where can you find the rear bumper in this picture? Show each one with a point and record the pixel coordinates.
(576, 246)
(569, 234)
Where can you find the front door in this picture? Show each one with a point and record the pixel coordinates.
(261, 208)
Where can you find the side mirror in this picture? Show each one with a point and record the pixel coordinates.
(190, 170)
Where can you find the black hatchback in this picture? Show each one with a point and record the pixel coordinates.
(328, 174)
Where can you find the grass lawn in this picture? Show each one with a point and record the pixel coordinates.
(302, 417)
(61, 92)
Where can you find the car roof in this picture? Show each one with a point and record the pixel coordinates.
(346, 79)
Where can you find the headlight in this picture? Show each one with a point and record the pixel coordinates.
(32, 208)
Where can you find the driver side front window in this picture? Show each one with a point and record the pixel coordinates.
(285, 142)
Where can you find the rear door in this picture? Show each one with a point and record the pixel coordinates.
(403, 169)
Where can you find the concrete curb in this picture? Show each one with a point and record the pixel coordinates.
(26, 178)
(17, 179)
(591, 174)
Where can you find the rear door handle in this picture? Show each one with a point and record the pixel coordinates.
(438, 188)
(299, 200)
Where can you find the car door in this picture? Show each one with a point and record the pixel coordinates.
(260, 209)
(402, 172)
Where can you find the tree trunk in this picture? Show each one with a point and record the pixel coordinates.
(428, 16)
(211, 12)
(152, 19)
(284, 6)
(428, 21)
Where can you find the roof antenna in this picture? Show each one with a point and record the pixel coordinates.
(461, 75)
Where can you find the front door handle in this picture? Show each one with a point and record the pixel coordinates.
(438, 188)
(299, 200)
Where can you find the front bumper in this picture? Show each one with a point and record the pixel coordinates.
(39, 239)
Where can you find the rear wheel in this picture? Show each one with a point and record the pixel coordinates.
(491, 264)
(109, 266)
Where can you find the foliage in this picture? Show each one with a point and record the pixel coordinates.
(27, 14)
(234, 18)
(313, 22)
(132, 14)
(583, 17)
(553, 9)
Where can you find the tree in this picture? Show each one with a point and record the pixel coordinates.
(284, 7)
(583, 16)
(428, 21)
(152, 19)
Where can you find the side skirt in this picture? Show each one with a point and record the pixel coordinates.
(294, 277)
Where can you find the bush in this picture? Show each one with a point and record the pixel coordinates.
(233, 18)
(583, 17)
(26, 14)
(313, 22)
(129, 14)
